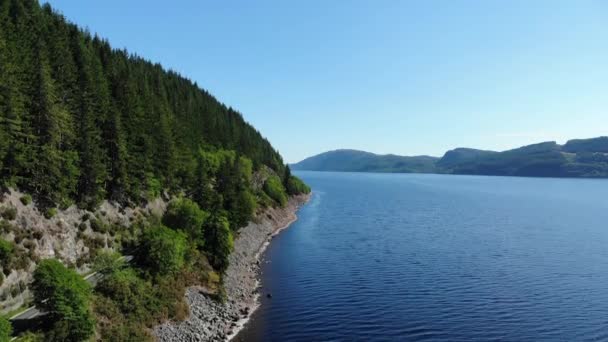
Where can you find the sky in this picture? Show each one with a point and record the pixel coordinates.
(385, 76)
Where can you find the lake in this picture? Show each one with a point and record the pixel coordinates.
(411, 257)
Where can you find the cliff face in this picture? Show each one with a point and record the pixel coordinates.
(212, 321)
(72, 235)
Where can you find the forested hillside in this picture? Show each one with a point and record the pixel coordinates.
(81, 121)
(360, 161)
(576, 158)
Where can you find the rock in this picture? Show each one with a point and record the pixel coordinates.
(212, 321)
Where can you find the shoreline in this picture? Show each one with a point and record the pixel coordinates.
(240, 324)
(213, 321)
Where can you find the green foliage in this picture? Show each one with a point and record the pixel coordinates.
(184, 214)
(162, 250)
(9, 213)
(154, 186)
(81, 122)
(6, 252)
(97, 225)
(65, 295)
(26, 199)
(133, 296)
(219, 241)
(275, 190)
(31, 337)
(107, 262)
(6, 329)
(128, 302)
(295, 186)
(50, 213)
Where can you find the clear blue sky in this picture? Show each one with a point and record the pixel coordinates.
(403, 77)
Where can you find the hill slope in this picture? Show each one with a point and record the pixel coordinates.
(359, 161)
(577, 158)
(81, 121)
(90, 138)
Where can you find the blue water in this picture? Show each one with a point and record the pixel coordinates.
(406, 257)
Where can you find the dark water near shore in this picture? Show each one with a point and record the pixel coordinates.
(387, 257)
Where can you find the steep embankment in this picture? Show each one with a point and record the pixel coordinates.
(213, 321)
(72, 235)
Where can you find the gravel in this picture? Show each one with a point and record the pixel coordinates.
(210, 320)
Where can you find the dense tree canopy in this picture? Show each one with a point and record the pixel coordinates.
(163, 250)
(80, 121)
(65, 296)
(220, 241)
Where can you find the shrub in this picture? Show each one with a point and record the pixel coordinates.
(82, 226)
(6, 329)
(37, 235)
(244, 207)
(6, 227)
(30, 337)
(20, 260)
(219, 242)
(184, 214)
(107, 262)
(163, 250)
(9, 213)
(98, 226)
(26, 199)
(295, 186)
(133, 296)
(50, 213)
(65, 295)
(154, 186)
(274, 188)
(6, 252)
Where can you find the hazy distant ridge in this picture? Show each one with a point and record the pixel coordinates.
(576, 158)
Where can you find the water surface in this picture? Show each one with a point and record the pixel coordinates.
(394, 257)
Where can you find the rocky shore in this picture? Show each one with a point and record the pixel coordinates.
(213, 321)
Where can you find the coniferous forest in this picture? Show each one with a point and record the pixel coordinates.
(80, 123)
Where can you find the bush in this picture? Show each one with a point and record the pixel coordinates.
(219, 242)
(6, 329)
(295, 186)
(6, 252)
(154, 186)
(50, 213)
(244, 207)
(65, 295)
(9, 213)
(98, 226)
(133, 296)
(274, 188)
(184, 214)
(163, 250)
(107, 262)
(26, 199)
(30, 337)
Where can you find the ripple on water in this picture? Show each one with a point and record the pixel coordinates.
(439, 258)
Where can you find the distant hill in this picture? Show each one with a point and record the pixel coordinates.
(360, 161)
(576, 158)
(461, 155)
